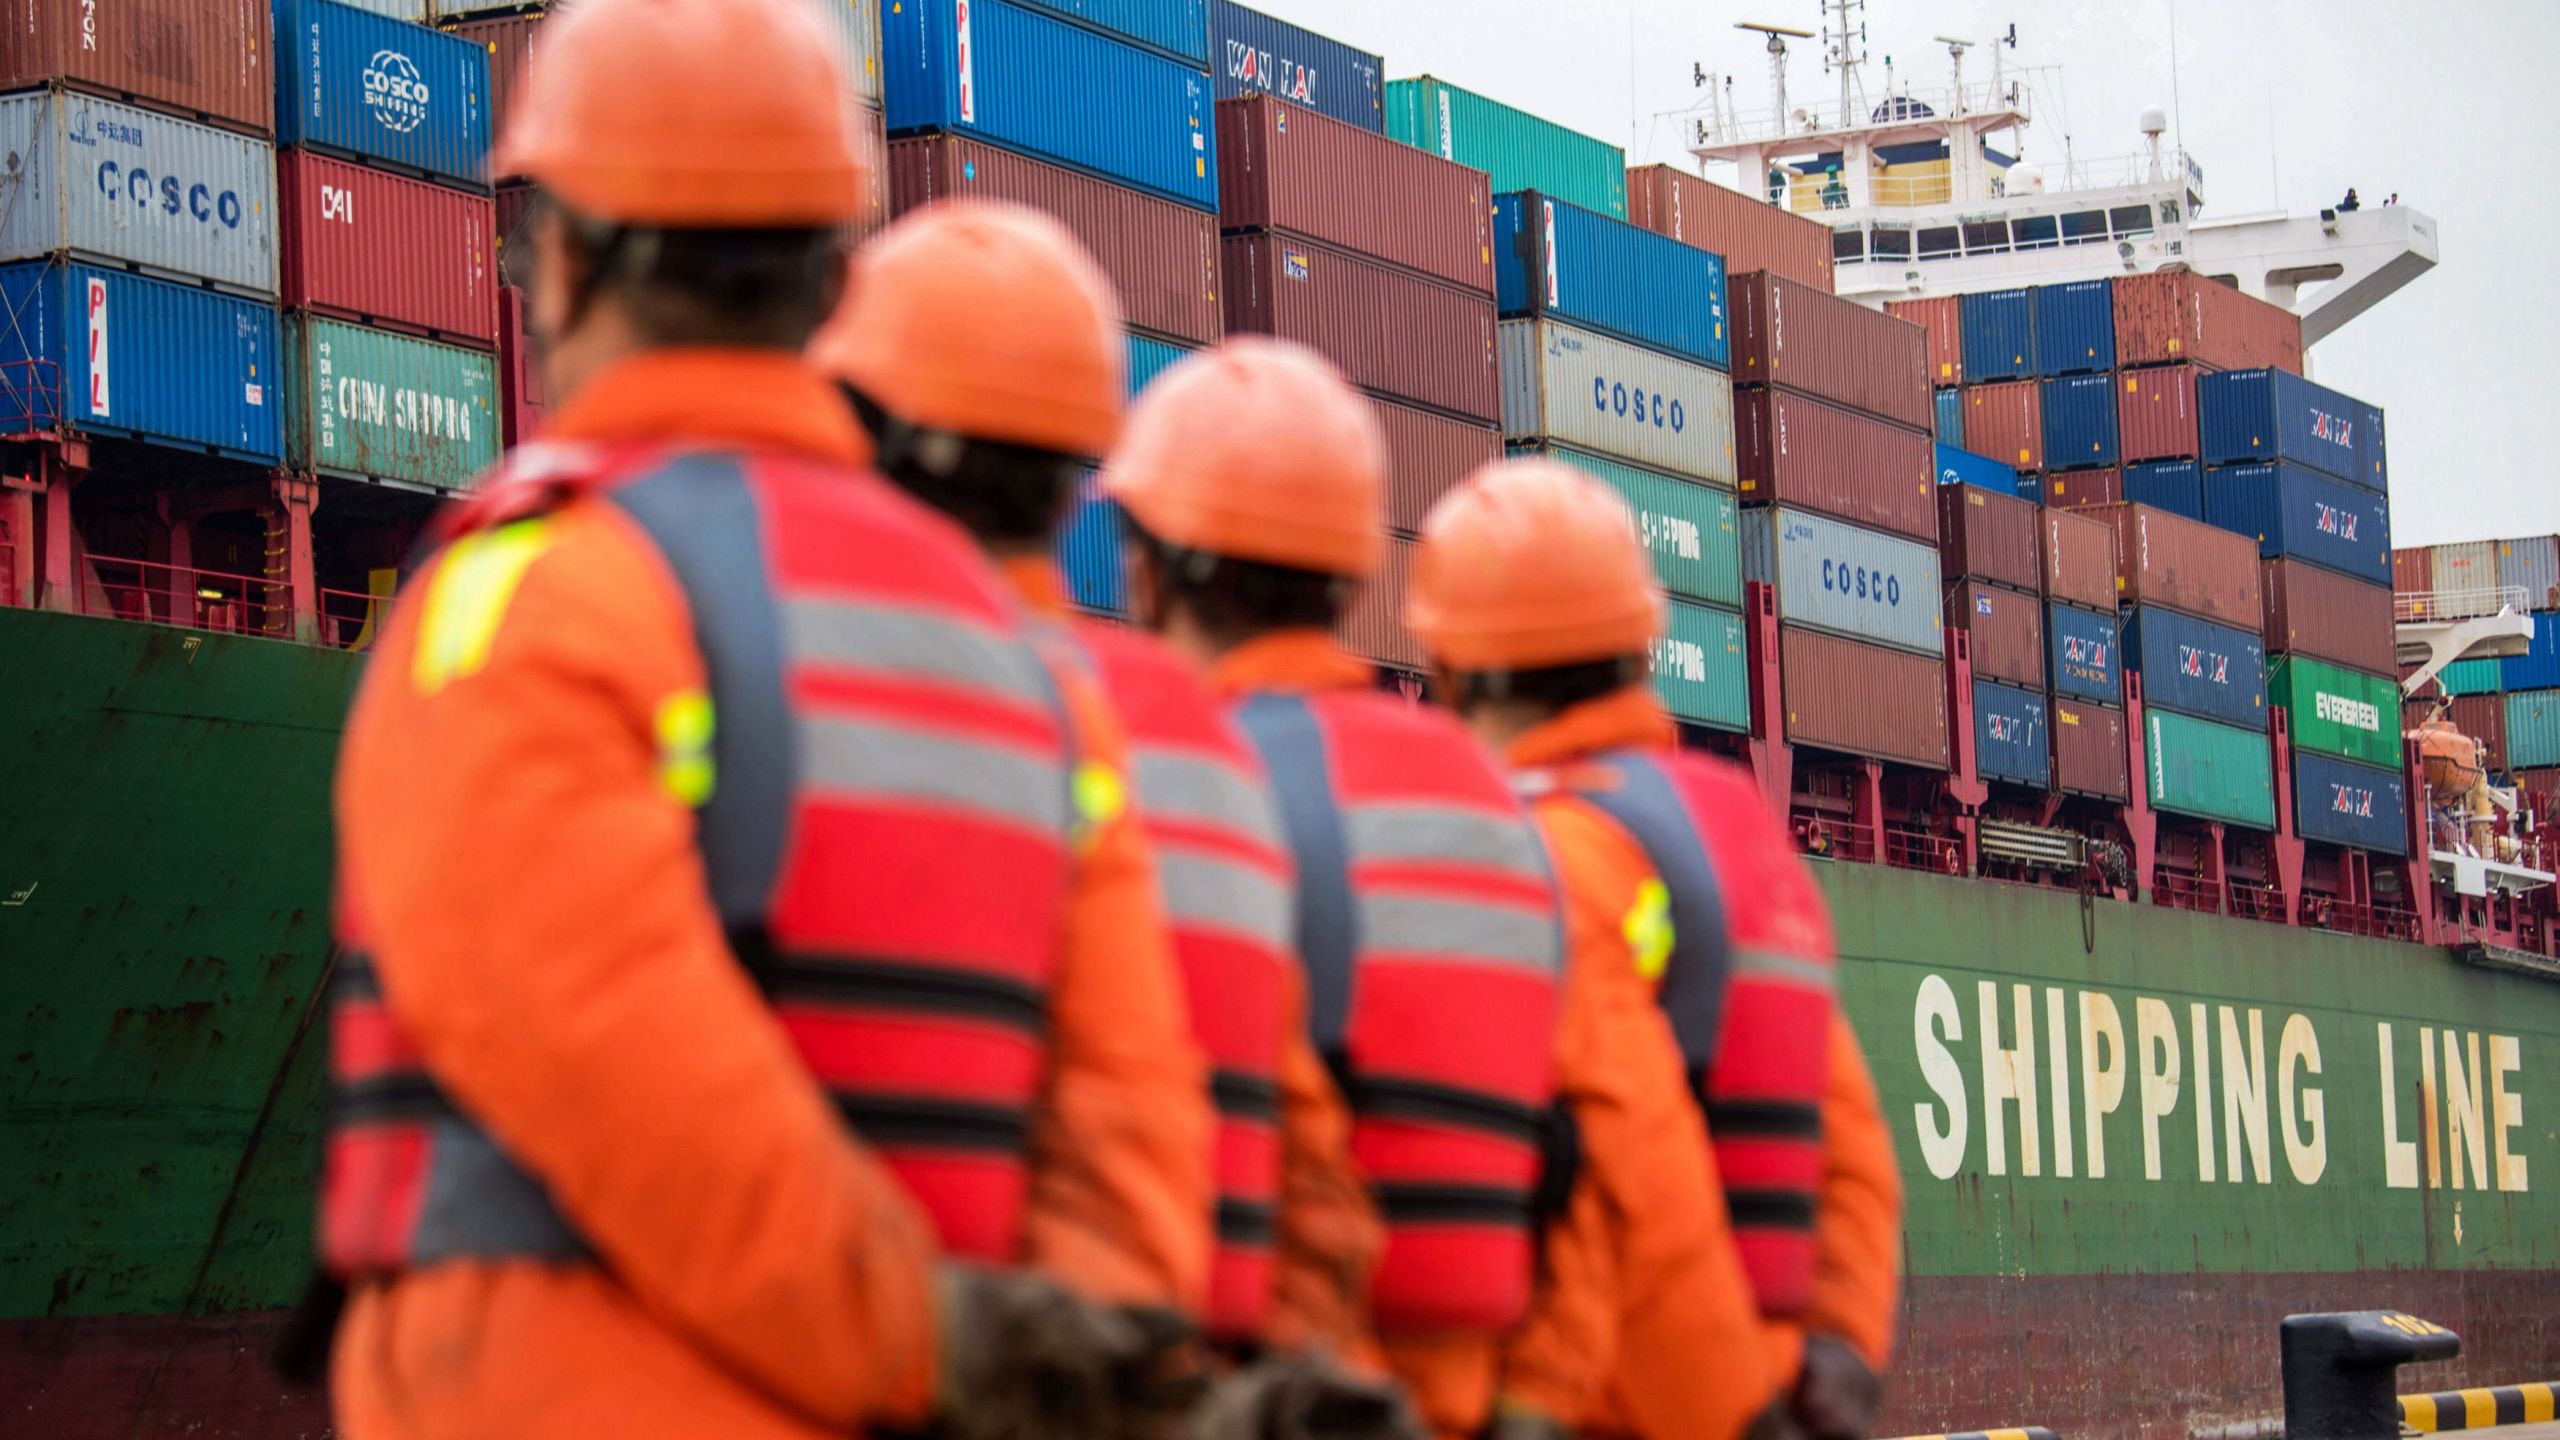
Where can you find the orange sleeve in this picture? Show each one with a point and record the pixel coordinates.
(1329, 1234)
(1858, 1217)
(543, 931)
(1121, 1190)
(1685, 1360)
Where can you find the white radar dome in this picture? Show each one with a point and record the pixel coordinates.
(2155, 121)
(2025, 179)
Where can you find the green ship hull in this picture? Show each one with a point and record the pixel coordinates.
(2093, 1244)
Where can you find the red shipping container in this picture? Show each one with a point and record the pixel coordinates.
(2328, 616)
(2545, 783)
(2080, 560)
(2156, 414)
(1373, 629)
(1942, 316)
(2413, 572)
(1863, 699)
(1793, 450)
(2007, 630)
(1748, 232)
(1427, 455)
(2484, 718)
(2089, 755)
(204, 59)
(2165, 559)
(1991, 536)
(1392, 331)
(1163, 257)
(2080, 489)
(2179, 315)
(522, 405)
(384, 250)
(509, 41)
(512, 204)
(1291, 170)
(2006, 422)
(1815, 343)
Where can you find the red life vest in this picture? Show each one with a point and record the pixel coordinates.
(1431, 933)
(1748, 989)
(887, 842)
(1230, 895)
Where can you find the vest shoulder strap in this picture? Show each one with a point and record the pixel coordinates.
(1286, 733)
(1640, 793)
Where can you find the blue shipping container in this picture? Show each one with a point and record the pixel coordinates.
(2080, 422)
(2247, 416)
(1030, 81)
(1999, 336)
(2176, 486)
(1963, 467)
(382, 89)
(2009, 735)
(1089, 551)
(2343, 803)
(2304, 514)
(1149, 358)
(2075, 328)
(2374, 466)
(1179, 28)
(1551, 258)
(1253, 54)
(2539, 667)
(112, 353)
(2195, 667)
(1951, 417)
(2085, 662)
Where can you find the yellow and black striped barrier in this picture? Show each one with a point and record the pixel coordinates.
(2478, 1409)
(2023, 1432)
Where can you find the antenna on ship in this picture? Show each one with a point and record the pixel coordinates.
(1846, 51)
(1778, 35)
(1955, 52)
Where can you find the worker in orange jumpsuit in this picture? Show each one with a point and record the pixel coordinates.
(982, 347)
(1515, 1281)
(701, 797)
(1538, 606)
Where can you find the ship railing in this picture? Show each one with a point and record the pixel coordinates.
(349, 619)
(191, 597)
(1909, 849)
(30, 397)
(2377, 922)
(2253, 901)
(1820, 833)
(2181, 891)
(2426, 606)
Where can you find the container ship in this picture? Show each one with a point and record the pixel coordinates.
(2192, 885)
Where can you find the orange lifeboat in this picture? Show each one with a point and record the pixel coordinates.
(2449, 759)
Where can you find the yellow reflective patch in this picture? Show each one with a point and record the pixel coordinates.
(685, 767)
(469, 597)
(1647, 929)
(1100, 796)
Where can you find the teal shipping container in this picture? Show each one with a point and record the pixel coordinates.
(1693, 530)
(2533, 729)
(2471, 677)
(105, 352)
(368, 404)
(2214, 772)
(1519, 150)
(1699, 669)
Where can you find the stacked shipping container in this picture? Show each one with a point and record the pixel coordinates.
(2509, 704)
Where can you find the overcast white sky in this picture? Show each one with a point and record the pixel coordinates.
(2284, 103)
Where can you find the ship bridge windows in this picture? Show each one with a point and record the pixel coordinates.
(1937, 242)
(1986, 237)
(1848, 243)
(1892, 242)
(2036, 232)
(2084, 227)
(2130, 220)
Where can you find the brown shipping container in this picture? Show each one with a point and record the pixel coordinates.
(2080, 559)
(205, 59)
(2327, 616)
(522, 406)
(2006, 422)
(1813, 342)
(1427, 455)
(871, 131)
(1943, 317)
(2165, 559)
(1374, 629)
(2007, 630)
(2413, 572)
(2484, 718)
(2080, 489)
(1990, 536)
(2545, 783)
(1392, 331)
(2156, 414)
(1863, 699)
(382, 249)
(1287, 169)
(1792, 450)
(1748, 232)
(2165, 316)
(508, 39)
(2089, 755)
(1163, 257)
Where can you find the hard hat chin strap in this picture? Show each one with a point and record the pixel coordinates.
(1558, 687)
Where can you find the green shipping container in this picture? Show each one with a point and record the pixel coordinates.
(1519, 150)
(2214, 772)
(371, 404)
(1690, 527)
(2337, 711)
(2470, 677)
(2533, 729)
(1698, 668)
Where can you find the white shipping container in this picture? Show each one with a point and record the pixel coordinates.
(1577, 388)
(1831, 575)
(416, 12)
(109, 182)
(2466, 580)
(2531, 564)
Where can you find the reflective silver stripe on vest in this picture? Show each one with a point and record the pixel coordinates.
(1215, 893)
(1443, 834)
(1458, 931)
(1205, 791)
(898, 640)
(873, 761)
(1792, 968)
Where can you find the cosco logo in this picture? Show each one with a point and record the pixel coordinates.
(394, 92)
(1860, 582)
(169, 195)
(1631, 402)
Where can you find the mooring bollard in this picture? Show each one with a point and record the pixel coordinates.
(2341, 1371)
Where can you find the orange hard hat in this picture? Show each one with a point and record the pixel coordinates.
(690, 114)
(985, 319)
(1531, 564)
(1257, 450)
